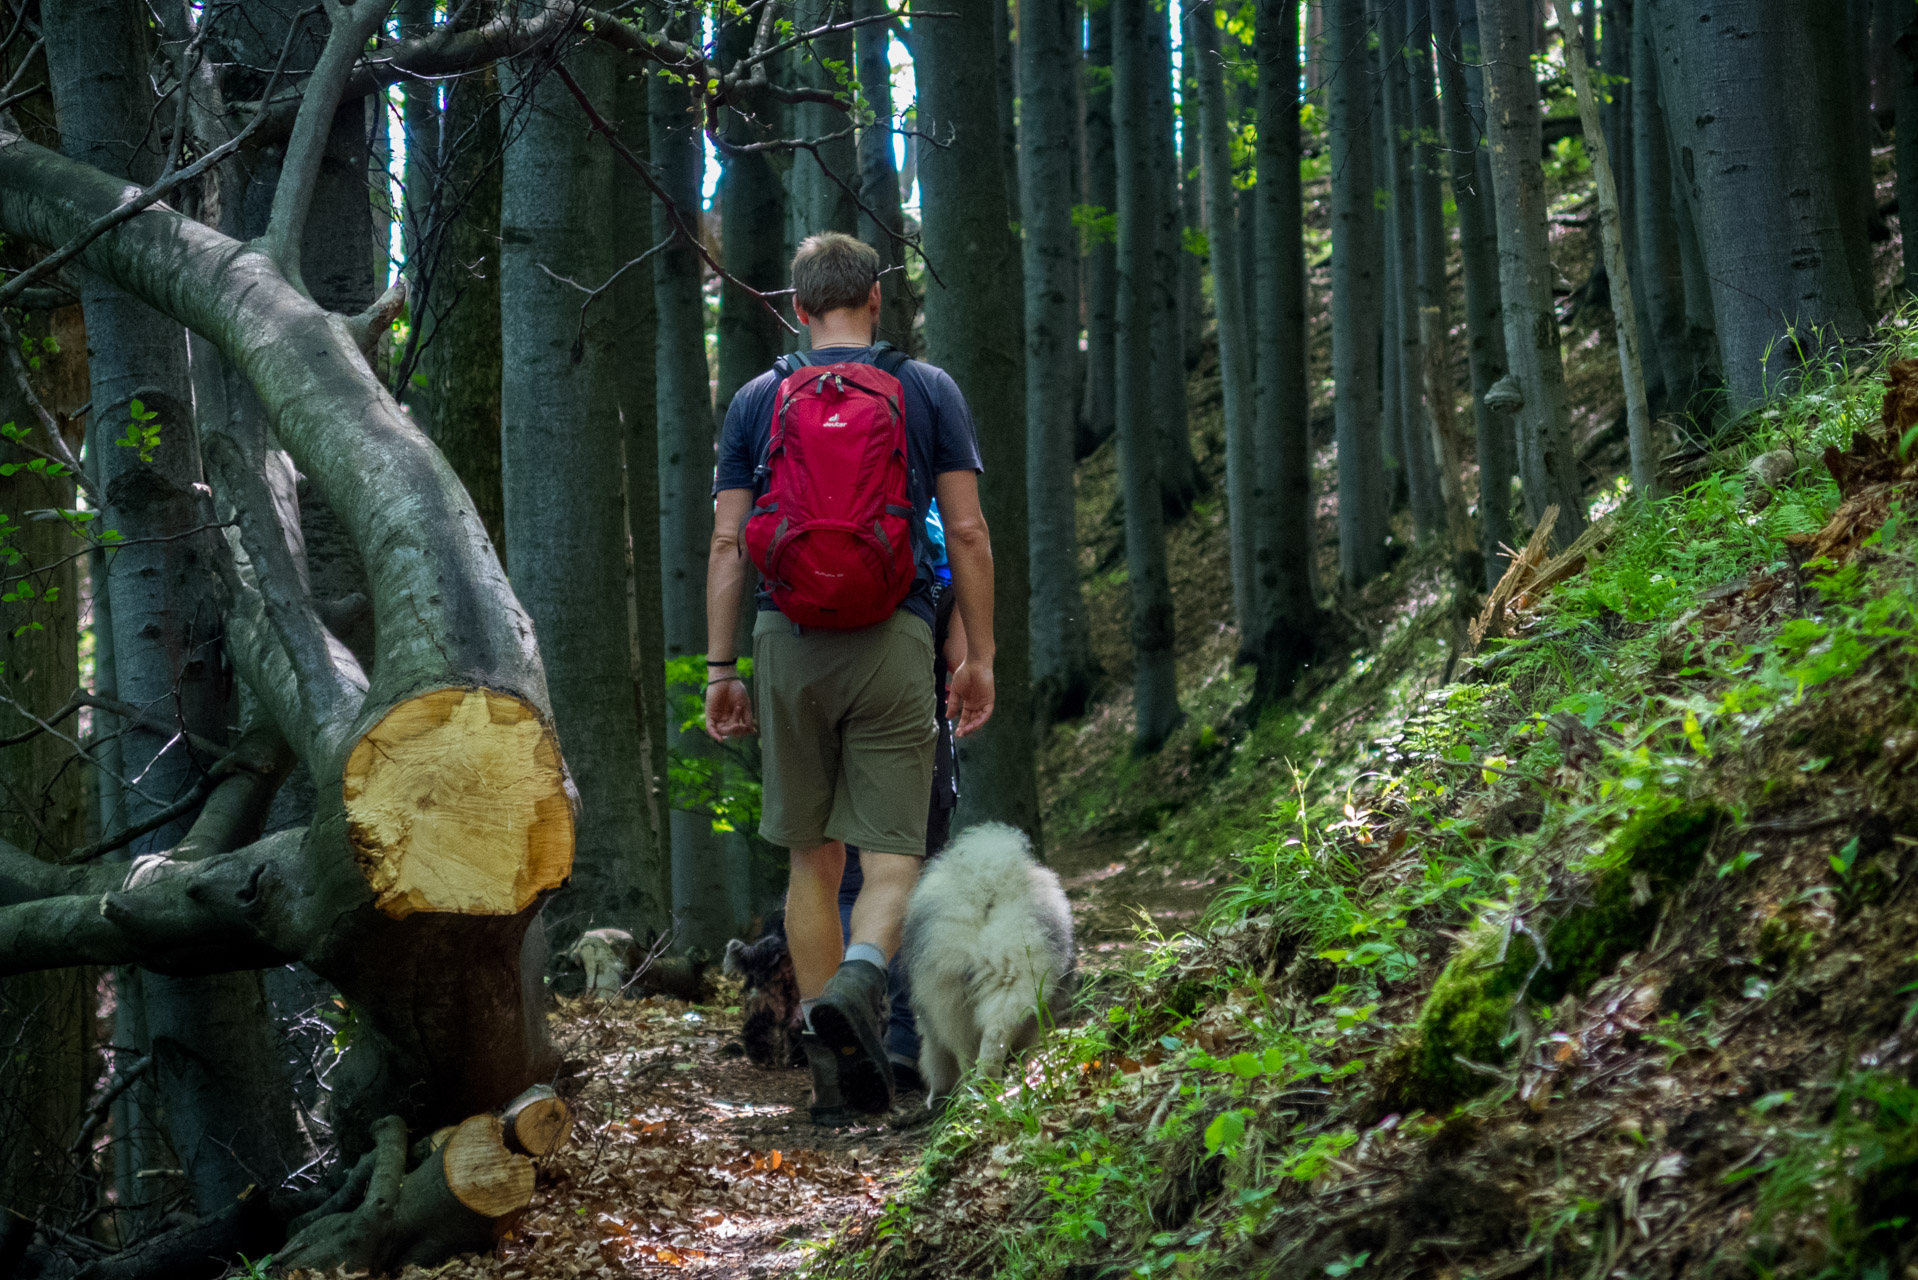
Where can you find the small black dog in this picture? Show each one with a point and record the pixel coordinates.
(771, 1031)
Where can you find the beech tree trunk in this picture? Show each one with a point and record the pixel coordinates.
(1357, 296)
(1155, 689)
(1766, 182)
(406, 875)
(821, 185)
(1617, 267)
(1478, 261)
(1101, 269)
(1660, 275)
(459, 359)
(752, 213)
(635, 341)
(228, 1114)
(561, 447)
(705, 880)
(1245, 513)
(1179, 479)
(879, 179)
(1402, 266)
(1061, 637)
(974, 332)
(1434, 314)
(1545, 458)
(1286, 525)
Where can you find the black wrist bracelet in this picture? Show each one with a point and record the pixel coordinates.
(729, 662)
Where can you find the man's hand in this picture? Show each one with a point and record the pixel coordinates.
(970, 696)
(729, 711)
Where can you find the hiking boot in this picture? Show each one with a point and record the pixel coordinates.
(905, 1075)
(848, 1018)
(827, 1108)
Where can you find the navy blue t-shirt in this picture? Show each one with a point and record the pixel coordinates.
(939, 438)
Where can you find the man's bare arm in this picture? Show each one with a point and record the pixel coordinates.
(969, 552)
(728, 710)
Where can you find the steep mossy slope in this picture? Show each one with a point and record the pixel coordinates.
(1594, 952)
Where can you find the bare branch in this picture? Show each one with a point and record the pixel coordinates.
(164, 186)
(211, 916)
(352, 28)
(331, 685)
(579, 339)
(606, 130)
(369, 324)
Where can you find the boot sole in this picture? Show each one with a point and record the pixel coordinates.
(865, 1074)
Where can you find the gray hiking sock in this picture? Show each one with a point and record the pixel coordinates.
(870, 954)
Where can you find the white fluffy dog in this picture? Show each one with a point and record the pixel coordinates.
(988, 945)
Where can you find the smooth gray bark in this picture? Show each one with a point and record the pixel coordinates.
(1402, 268)
(635, 342)
(459, 359)
(431, 1047)
(879, 180)
(1357, 295)
(1101, 270)
(1192, 267)
(752, 213)
(560, 448)
(420, 127)
(1764, 182)
(1155, 688)
(1179, 479)
(974, 332)
(1478, 263)
(1244, 512)
(1286, 526)
(1618, 268)
(1545, 458)
(705, 880)
(1005, 83)
(1434, 302)
(228, 1110)
(1061, 637)
(820, 185)
(1659, 276)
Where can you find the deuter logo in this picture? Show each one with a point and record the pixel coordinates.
(834, 421)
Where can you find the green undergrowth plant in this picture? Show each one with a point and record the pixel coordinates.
(1843, 1195)
(1439, 866)
(1465, 1033)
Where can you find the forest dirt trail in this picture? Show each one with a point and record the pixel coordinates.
(687, 1159)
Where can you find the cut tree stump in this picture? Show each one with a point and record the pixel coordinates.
(537, 1123)
(456, 801)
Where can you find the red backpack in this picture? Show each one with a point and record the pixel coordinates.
(832, 532)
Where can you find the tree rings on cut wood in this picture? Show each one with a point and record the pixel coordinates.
(456, 801)
(481, 1173)
(537, 1122)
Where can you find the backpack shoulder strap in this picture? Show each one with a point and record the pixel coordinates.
(792, 360)
(889, 359)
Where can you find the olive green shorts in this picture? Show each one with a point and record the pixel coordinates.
(846, 733)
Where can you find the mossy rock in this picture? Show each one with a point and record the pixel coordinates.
(1469, 1009)
(1465, 1016)
(1651, 857)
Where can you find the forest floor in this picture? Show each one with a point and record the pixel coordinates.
(687, 1159)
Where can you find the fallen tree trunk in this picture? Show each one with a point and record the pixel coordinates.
(443, 811)
(460, 1197)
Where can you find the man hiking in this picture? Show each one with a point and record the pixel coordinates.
(828, 465)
